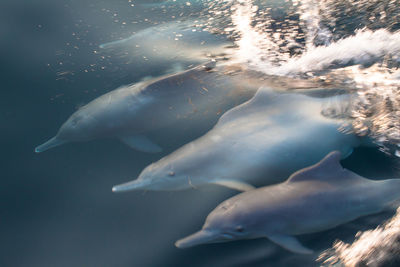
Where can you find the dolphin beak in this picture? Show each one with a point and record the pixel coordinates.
(201, 237)
(133, 185)
(53, 142)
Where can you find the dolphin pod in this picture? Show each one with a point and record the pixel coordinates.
(261, 141)
(192, 99)
(258, 142)
(313, 199)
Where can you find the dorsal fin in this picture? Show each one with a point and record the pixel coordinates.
(328, 168)
(265, 96)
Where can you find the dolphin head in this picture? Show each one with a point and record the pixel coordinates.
(78, 127)
(227, 222)
(189, 166)
(159, 176)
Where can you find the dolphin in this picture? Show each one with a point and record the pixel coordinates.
(193, 4)
(313, 199)
(189, 100)
(175, 43)
(263, 141)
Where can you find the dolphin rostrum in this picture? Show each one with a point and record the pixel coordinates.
(192, 99)
(263, 140)
(313, 199)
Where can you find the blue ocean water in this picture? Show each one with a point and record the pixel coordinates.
(57, 208)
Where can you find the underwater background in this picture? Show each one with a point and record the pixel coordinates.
(57, 208)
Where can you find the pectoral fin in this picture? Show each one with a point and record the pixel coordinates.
(290, 243)
(141, 143)
(236, 185)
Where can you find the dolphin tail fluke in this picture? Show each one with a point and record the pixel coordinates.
(130, 186)
(53, 142)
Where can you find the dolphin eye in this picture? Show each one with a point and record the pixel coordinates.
(171, 173)
(239, 229)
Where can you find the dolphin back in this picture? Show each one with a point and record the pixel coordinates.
(265, 98)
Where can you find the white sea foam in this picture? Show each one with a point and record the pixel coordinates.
(253, 47)
(365, 47)
(268, 52)
(371, 248)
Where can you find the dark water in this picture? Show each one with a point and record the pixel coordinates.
(57, 208)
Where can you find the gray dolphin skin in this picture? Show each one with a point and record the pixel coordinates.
(195, 98)
(313, 199)
(261, 141)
